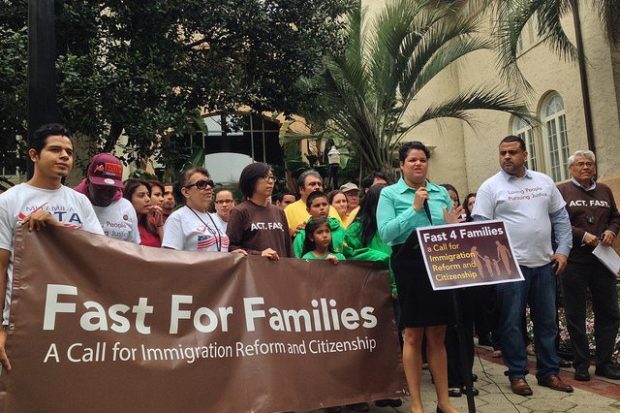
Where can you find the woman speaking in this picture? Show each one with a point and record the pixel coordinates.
(410, 203)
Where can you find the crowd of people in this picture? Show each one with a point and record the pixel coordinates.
(553, 231)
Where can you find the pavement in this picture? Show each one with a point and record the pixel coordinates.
(599, 395)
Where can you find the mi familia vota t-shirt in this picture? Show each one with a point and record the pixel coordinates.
(191, 230)
(69, 207)
(119, 220)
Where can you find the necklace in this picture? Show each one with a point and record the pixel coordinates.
(216, 234)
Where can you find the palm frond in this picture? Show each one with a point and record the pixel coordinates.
(609, 13)
(476, 99)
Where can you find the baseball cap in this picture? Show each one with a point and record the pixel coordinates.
(105, 169)
(349, 186)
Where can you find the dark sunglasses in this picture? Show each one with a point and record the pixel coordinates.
(202, 184)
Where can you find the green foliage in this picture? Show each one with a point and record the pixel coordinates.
(511, 16)
(145, 67)
(367, 92)
(13, 43)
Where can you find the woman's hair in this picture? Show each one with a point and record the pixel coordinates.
(250, 174)
(184, 179)
(131, 185)
(368, 213)
(404, 149)
(154, 182)
(451, 187)
(311, 226)
(465, 205)
(332, 195)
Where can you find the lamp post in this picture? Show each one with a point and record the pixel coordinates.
(42, 104)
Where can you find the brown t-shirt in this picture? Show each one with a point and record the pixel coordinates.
(255, 228)
(592, 211)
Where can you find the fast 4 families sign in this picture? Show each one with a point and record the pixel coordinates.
(99, 325)
(468, 254)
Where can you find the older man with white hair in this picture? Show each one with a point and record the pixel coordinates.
(595, 219)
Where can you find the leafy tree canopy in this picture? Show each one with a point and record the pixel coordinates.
(145, 67)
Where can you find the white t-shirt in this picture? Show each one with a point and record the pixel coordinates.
(69, 207)
(185, 231)
(119, 220)
(524, 204)
(219, 221)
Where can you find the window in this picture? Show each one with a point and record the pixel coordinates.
(555, 137)
(523, 130)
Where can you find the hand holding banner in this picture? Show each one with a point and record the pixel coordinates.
(99, 325)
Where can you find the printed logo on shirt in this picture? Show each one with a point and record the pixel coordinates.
(257, 226)
(590, 203)
(205, 241)
(67, 217)
(526, 194)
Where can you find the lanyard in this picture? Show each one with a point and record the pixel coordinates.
(217, 234)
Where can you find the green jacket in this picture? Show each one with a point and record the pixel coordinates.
(310, 256)
(337, 238)
(377, 250)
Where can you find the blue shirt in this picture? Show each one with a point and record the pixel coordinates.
(396, 218)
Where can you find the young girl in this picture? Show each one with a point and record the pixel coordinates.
(318, 242)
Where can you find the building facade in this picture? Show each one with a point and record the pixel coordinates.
(465, 156)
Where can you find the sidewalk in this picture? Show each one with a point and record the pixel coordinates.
(596, 396)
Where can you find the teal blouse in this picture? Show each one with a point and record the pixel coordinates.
(396, 218)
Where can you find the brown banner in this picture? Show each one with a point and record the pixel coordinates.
(468, 254)
(99, 325)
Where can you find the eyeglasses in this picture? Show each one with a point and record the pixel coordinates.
(582, 164)
(202, 184)
(269, 178)
(224, 201)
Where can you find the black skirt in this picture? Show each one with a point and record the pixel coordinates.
(420, 305)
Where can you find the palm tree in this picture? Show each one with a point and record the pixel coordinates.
(368, 92)
(511, 16)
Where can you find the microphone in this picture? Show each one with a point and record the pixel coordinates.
(427, 210)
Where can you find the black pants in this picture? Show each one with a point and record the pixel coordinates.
(575, 282)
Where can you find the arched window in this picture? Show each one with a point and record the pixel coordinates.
(524, 130)
(556, 138)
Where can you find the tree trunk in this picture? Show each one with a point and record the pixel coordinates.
(115, 132)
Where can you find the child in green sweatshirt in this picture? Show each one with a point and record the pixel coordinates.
(318, 242)
(318, 207)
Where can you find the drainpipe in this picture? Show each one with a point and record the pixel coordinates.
(583, 77)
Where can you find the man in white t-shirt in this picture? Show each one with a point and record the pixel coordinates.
(103, 187)
(533, 211)
(40, 202)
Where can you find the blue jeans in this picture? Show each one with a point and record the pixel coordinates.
(539, 291)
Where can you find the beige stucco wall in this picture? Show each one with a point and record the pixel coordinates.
(465, 157)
